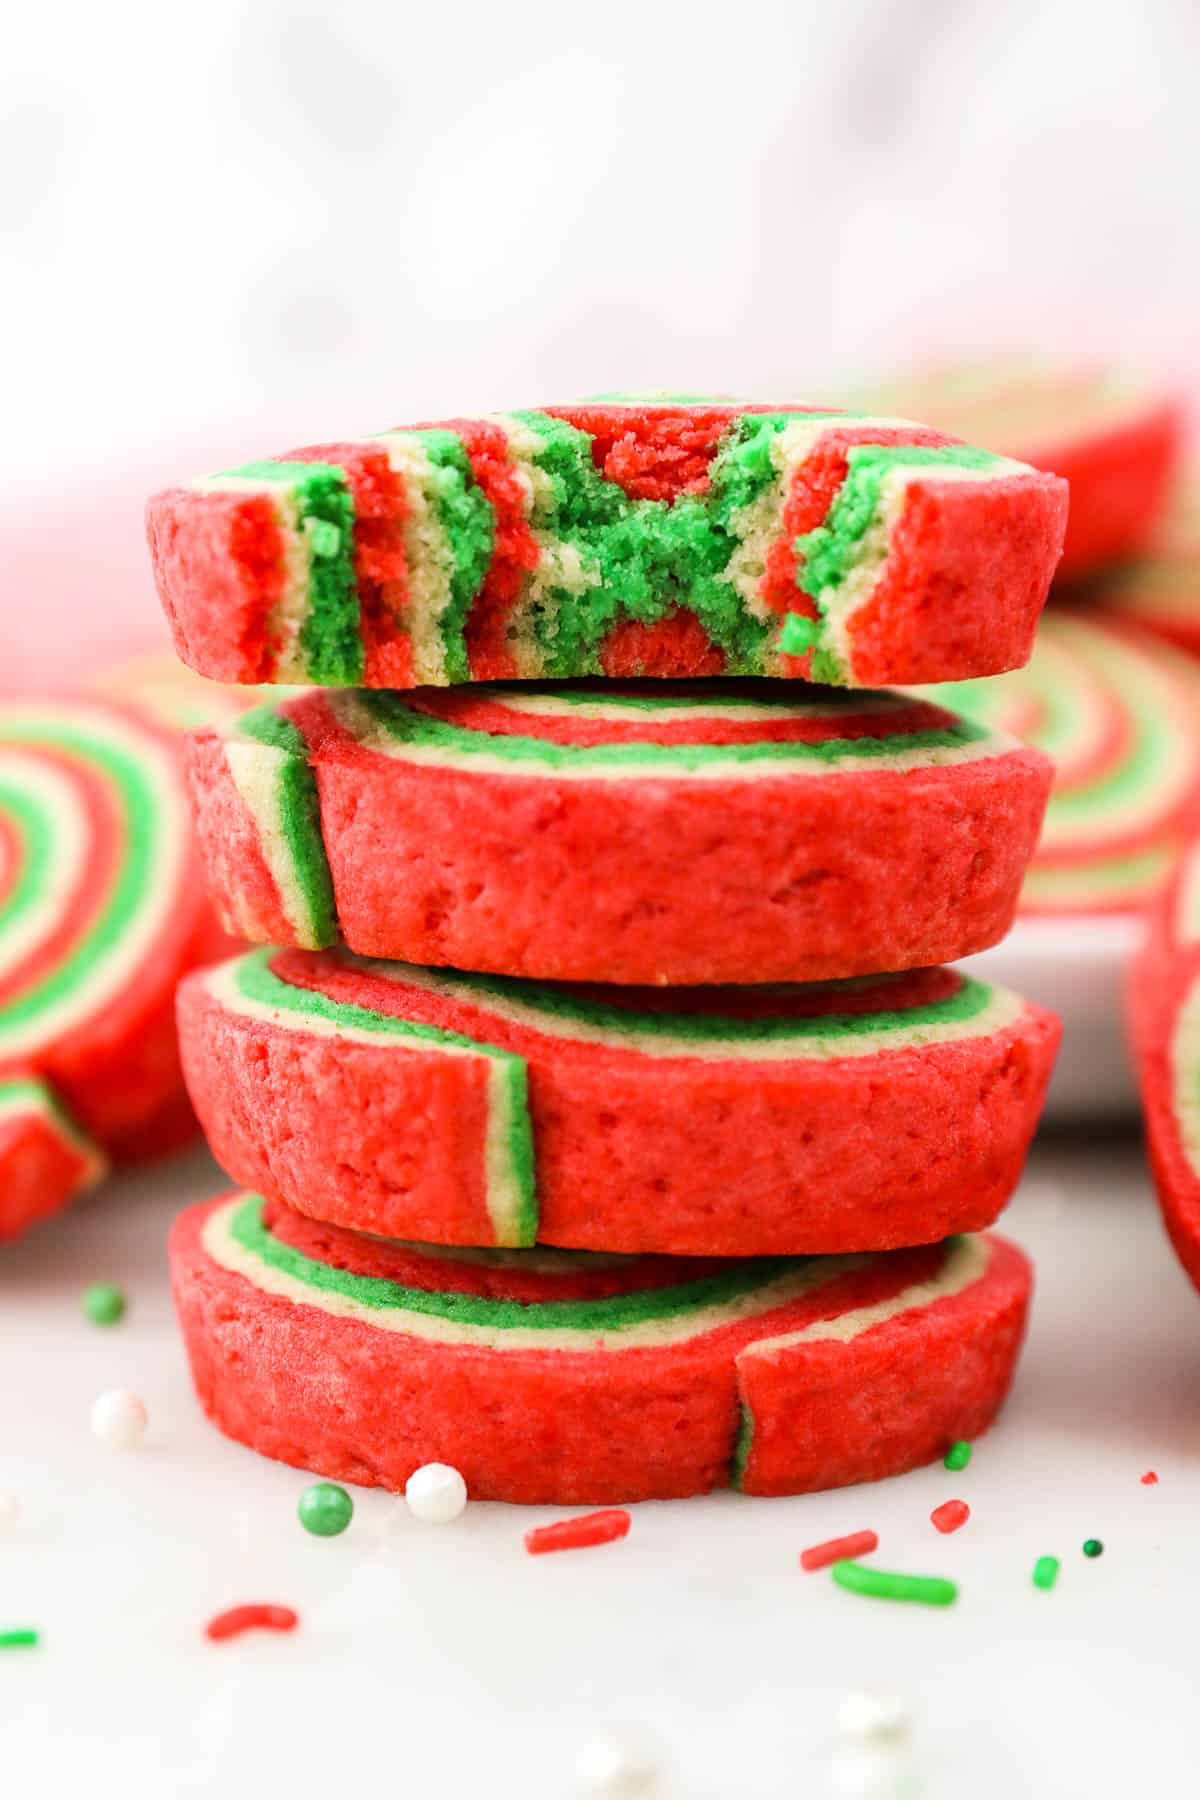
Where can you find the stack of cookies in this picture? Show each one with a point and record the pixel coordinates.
(606, 1124)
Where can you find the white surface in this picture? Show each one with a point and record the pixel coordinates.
(269, 223)
(1079, 968)
(450, 1662)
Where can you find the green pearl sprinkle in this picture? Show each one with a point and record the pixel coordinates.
(325, 1509)
(885, 1584)
(1093, 1547)
(1045, 1571)
(103, 1303)
(957, 1456)
(23, 1638)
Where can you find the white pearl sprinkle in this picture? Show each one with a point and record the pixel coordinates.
(874, 1718)
(118, 1419)
(10, 1508)
(436, 1494)
(619, 1768)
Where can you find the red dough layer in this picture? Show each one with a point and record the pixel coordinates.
(1162, 983)
(654, 452)
(1119, 481)
(729, 1156)
(220, 566)
(651, 881)
(992, 540)
(354, 1402)
(40, 1173)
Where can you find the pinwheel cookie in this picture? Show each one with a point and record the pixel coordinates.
(461, 1109)
(102, 908)
(549, 1376)
(1117, 441)
(1159, 591)
(1120, 716)
(1165, 1018)
(673, 537)
(655, 834)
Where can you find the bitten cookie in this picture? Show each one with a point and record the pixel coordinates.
(567, 1378)
(1164, 996)
(718, 832)
(464, 1109)
(102, 908)
(673, 537)
(1120, 716)
(1116, 441)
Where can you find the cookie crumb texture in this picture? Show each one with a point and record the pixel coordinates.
(670, 538)
(560, 1378)
(102, 909)
(633, 833)
(467, 1109)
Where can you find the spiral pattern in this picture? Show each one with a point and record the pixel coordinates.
(1118, 715)
(94, 848)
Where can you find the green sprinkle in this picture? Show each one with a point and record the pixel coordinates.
(1093, 1547)
(1045, 1571)
(325, 1509)
(23, 1638)
(885, 1584)
(799, 634)
(957, 1456)
(324, 537)
(103, 1303)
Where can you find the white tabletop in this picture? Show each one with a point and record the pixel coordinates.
(446, 1661)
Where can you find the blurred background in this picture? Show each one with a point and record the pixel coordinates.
(233, 228)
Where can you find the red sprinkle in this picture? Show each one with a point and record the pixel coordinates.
(245, 1618)
(577, 1534)
(950, 1515)
(843, 1549)
(1149, 1479)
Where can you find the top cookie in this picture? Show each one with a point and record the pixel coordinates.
(673, 537)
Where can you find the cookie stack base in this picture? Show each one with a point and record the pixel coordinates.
(580, 1379)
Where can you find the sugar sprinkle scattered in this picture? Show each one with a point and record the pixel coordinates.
(841, 1549)
(951, 1515)
(250, 1618)
(577, 1534)
(889, 1584)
